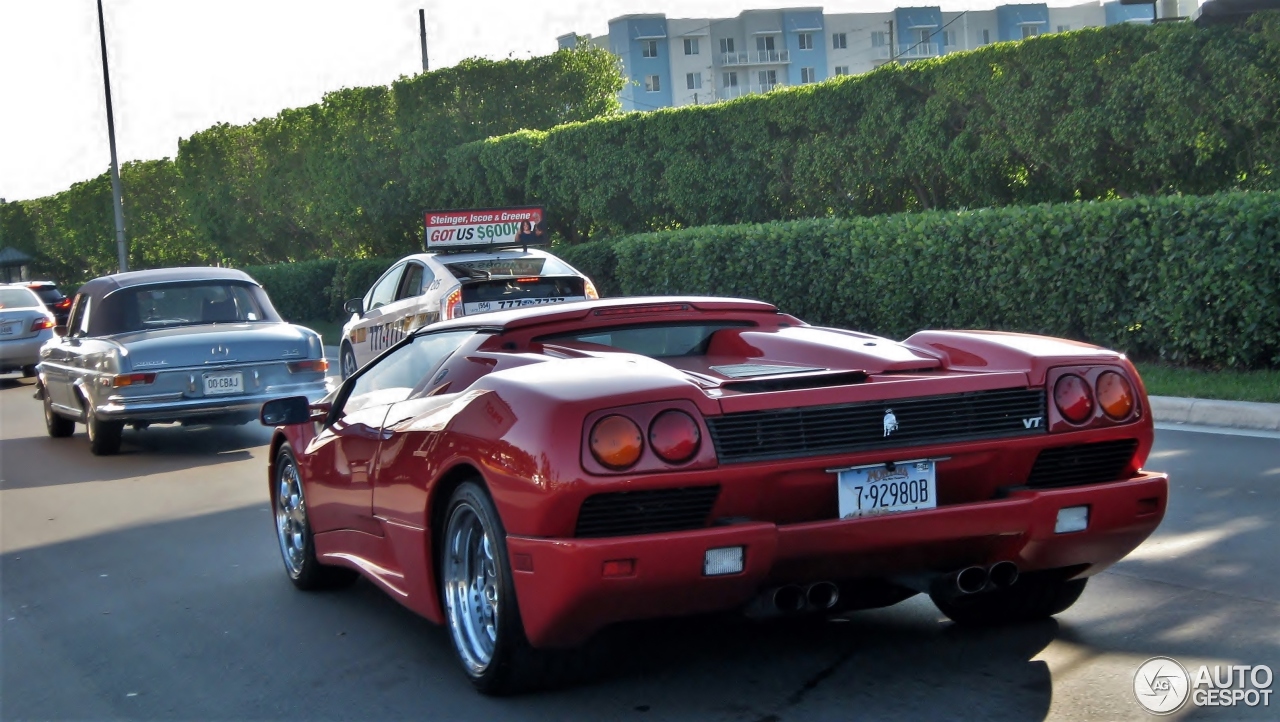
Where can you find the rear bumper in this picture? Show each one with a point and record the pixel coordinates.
(19, 352)
(564, 597)
(176, 407)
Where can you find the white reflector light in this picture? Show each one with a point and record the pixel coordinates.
(1072, 518)
(726, 560)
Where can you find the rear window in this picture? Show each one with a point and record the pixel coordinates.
(653, 340)
(144, 308)
(518, 266)
(18, 298)
(49, 294)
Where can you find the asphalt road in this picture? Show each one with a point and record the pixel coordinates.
(149, 586)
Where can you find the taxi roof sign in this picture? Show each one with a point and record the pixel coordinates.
(472, 229)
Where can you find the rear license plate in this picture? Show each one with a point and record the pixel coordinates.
(231, 382)
(486, 306)
(869, 490)
(9, 329)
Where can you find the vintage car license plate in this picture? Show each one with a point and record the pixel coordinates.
(484, 306)
(230, 382)
(8, 329)
(868, 490)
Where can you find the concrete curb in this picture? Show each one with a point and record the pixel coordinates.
(1165, 409)
(1211, 412)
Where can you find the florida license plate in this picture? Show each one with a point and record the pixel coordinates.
(231, 382)
(888, 488)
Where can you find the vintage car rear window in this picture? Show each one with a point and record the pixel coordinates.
(145, 308)
(653, 340)
(18, 298)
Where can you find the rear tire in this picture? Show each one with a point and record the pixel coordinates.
(28, 371)
(104, 436)
(293, 531)
(479, 602)
(1034, 596)
(59, 427)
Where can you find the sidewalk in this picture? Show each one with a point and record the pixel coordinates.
(1166, 409)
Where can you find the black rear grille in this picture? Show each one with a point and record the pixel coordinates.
(622, 513)
(1082, 464)
(818, 430)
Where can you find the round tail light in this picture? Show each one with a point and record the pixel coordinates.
(1115, 395)
(674, 436)
(1073, 398)
(616, 442)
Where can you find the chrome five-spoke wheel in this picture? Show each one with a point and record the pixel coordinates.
(472, 583)
(291, 517)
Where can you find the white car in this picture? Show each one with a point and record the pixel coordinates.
(25, 326)
(428, 287)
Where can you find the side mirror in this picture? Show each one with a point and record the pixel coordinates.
(355, 305)
(289, 410)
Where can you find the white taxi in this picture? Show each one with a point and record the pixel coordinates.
(428, 287)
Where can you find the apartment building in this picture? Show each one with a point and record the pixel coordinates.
(673, 62)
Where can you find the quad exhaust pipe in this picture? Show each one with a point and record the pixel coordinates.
(796, 598)
(822, 595)
(1002, 574)
(969, 580)
(789, 599)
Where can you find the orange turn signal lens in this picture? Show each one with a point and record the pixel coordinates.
(616, 442)
(132, 379)
(310, 365)
(674, 436)
(1073, 398)
(1115, 395)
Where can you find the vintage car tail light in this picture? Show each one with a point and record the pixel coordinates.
(1073, 398)
(674, 436)
(616, 442)
(591, 289)
(132, 379)
(41, 323)
(452, 305)
(1115, 395)
(309, 365)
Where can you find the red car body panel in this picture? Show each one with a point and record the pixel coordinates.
(515, 410)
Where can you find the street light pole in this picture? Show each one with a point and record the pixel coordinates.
(121, 251)
(422, 32)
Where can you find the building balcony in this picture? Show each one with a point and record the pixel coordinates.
(758, 57)
(737, 91)
(908, 52)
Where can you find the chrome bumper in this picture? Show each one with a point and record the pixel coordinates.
(178, 406)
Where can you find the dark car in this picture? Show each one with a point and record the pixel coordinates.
(528, 477)
(53, 299)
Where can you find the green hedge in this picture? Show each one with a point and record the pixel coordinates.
(316, 290)
(1191, 280)
(1094, 114)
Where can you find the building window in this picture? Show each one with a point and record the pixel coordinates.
(807, 75)
(693, 81)
(768, 79)
(690, 46)
(764, 42)
(1030, 31)
(649, 48)
(923, 38)
(726, 45)
(1064, 28)
(731, 80)
(806, 41)
(839, 41)
(986, 37)
(879, 38)
(949, 38)
(842, 70)
(652, 84)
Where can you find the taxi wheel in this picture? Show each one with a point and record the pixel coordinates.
(104, 436)
(1034, 596)
(347, 362)
(59, 427)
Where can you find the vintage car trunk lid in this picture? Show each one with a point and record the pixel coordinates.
(214, 344)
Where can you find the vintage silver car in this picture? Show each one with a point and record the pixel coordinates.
(189, 345)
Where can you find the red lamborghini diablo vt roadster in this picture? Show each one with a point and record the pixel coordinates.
(528, 477)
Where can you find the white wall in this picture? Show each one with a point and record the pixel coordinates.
(859, 56)
(702, 63)
(1088, 15)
